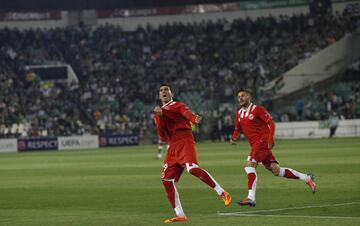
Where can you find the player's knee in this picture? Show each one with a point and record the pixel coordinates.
(251, 163)
(275, 171)
(190, 166)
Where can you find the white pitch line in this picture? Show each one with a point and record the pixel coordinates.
(288, 208)
(294, 216)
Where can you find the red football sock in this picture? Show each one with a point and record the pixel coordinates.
(203, 175)
(289, 174)
(170, 192)
(251, 179)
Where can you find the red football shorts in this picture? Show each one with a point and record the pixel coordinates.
(260, 153)
(179, 153)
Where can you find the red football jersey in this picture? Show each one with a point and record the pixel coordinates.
(254, 123)
(176, 116)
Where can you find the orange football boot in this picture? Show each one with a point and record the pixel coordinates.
(225, 196)
(176, 219)
(311, 182)
(247, 202)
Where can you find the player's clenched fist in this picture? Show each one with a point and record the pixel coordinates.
(158, 110)
(198, 119)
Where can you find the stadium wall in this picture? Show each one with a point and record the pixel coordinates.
(8, 145)
(316, 129)
(131, 23)
(63, 21)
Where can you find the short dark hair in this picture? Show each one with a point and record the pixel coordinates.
(164, 84)
(245, 90)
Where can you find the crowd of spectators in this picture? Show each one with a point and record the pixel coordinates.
(119, 71)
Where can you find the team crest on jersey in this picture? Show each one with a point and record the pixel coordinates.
(251, 117)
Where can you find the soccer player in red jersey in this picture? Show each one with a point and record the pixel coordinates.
(172, 122)
(259, 128)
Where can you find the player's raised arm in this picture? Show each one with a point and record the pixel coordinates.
(160, 128)
(237, 130)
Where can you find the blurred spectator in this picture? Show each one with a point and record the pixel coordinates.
(300, 105)
(334, 122)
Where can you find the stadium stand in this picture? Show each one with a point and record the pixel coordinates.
(119, 71)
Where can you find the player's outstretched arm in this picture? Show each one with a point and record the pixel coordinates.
(271, 125)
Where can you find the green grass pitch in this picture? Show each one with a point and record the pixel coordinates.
(121, 186)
